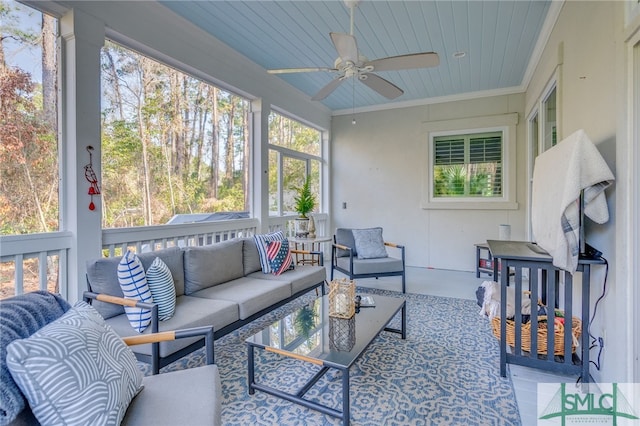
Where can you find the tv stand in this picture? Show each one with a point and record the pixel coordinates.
(544, 280)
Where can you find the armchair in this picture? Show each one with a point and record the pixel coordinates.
(46, 344)
(362, 253)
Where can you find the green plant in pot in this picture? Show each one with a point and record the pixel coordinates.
(305, 201)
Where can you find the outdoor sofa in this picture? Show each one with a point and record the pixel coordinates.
(220, 285)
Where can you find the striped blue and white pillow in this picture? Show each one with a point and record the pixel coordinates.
(133, 282)
(75, 370)
(163, 290)
(261, 243)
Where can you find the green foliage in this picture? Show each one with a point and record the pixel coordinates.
(305, 201)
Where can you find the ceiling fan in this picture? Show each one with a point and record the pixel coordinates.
(351, 63)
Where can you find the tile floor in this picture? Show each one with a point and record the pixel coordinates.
(462, 285)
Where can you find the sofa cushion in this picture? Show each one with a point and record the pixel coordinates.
(211, 265)
(190, 312)
(372, 266)
(279, 256)
(20, 317)
(303, 277)
(250, 256)
(157, 406)
(261, 244)
(162, 288)
(252, 295)
(102, 276)
(369, 243)
(75, 370)
(133, 282)
(344, 236)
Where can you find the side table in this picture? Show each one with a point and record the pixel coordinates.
(308, 244)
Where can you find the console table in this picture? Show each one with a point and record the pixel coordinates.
(544, 281)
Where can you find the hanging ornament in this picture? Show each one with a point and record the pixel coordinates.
(90, 175)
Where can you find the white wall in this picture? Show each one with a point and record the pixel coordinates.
(379, 168)
(586, 47)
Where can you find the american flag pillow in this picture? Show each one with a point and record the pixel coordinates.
(279, 256)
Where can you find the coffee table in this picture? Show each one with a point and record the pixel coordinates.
(310, 335)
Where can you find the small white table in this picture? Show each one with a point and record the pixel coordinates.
(308, 244)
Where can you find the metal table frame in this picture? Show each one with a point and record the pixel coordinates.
(298, 398)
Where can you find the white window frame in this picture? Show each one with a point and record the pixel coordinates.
(535, 137)
(505, 123)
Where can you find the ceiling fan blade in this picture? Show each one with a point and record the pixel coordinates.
(406, 62)
(346, 46)
(292, 70)
(380, 85)
(326, 90)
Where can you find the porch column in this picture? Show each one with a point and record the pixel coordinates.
(82, 37)
(260, 111)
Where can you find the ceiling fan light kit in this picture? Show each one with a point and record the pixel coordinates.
(350, 63)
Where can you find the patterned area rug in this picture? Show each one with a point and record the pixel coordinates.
(445, 373)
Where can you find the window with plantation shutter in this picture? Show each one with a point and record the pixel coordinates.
(468, 165)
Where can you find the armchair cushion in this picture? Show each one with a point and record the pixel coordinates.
(75, 370)
(369, 243)
(344, 236)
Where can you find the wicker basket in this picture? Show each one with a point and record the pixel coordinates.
(558, 334)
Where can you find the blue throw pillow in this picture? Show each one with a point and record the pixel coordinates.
(163, 290)
(133, 282)
(75, 370)
(279, 256)
(261, 243)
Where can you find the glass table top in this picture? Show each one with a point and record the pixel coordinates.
(310, 332)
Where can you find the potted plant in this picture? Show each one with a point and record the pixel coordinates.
(305, 201)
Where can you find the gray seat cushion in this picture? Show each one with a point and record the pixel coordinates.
(301, 278)
(190, 312)
(250, 256)
(372, 266)
(177, 398)
(252, 295)
(344, 236)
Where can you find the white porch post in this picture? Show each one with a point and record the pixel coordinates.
(260, 111)
(82, 37)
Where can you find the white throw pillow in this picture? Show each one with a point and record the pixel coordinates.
(75, 370)
(163, 290)
(369, 243)
(133, 282)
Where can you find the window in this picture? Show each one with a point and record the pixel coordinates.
(467, 165)
(542, 128)
(294, 153)
(28, 117)
(471, 163)
(172, 144)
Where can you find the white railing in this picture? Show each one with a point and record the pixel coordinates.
(36, 261)
(39, 261)
(150, 238)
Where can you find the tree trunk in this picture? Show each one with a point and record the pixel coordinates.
(215, 148)
(228, 162)
(49, 97)
(116, 83)
(245, 154)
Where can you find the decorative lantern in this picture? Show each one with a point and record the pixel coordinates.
(342, 334)
(342, 295)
